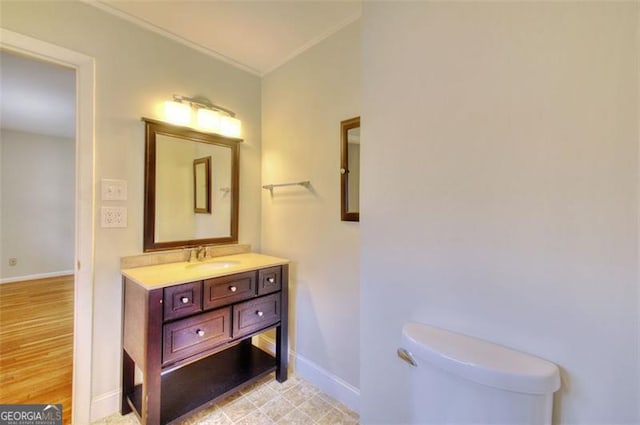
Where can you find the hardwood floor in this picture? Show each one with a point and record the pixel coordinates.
(36, 342)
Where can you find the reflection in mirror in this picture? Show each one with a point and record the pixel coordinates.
(350, 171)
(202, 185)
(353, 155)
(191, 188)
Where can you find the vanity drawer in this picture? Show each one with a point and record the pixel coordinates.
(193, 335)
(269, 280)
(229, 289)
(182, 300)
(254, 315)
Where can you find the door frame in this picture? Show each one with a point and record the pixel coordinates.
(84, 67)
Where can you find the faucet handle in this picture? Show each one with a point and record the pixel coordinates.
(193, 255)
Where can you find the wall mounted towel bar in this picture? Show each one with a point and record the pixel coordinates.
(305, 183)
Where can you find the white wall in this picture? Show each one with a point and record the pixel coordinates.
(38, 205)
(135, 71)
(500, 192)
(303, 103)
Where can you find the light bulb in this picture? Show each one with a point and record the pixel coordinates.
(177, 113)
(229, 126)
(208, 120)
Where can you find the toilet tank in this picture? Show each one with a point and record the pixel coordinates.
(458, 379)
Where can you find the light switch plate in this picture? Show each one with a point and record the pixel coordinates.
(114, 190)
(113, 216)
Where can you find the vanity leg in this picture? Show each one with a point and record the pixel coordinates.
(282, 331)
(281, 354)
(152, 379)
(151, 403)
(127, 382)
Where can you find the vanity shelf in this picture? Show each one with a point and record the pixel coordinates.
(200, 384)
(191, 341)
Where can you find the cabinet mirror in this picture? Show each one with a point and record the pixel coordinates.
(350, 169)
(191, 187)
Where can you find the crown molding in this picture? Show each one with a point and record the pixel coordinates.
(170, 35)
(316, 40)
(212, 53)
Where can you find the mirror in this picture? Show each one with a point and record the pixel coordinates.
(350, 169)
(191, 187)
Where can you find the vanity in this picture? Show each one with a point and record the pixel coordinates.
(188, 326)
(193, 302)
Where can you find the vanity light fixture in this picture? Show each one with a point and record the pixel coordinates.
(209, 117)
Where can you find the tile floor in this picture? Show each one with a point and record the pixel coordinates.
(267, 402)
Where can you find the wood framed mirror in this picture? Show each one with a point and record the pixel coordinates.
(191, 187)
(350, 169)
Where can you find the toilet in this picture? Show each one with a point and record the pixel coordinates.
(458, 379)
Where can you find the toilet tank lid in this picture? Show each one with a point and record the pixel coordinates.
(480, 361)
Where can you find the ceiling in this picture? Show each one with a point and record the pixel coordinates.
(257, 36)
(37, 97)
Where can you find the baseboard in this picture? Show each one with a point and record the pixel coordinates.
(269, 345)
(35, 276)
(329, 383)
(326, 381)
(105, 405)
(265, 343)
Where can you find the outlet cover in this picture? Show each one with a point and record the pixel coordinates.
(113, 216)
(114, 190)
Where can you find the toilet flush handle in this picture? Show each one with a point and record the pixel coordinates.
(406, 356)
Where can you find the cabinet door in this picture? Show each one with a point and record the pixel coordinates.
(229, 289)
(193, 335)
(254, 315)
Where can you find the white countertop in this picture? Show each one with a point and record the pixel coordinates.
(161, 275)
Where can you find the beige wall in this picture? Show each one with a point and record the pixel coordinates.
(175, 217)
(135, 71)
(37, 207)
(303, 103)
(500, 192)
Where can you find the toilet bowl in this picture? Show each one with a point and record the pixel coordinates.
(458, 379)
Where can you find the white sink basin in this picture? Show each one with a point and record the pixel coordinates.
(212, 265)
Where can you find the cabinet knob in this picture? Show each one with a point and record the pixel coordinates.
(184, 300)
(271, 279)
(259, 313)
(200, 332)
(233, 288)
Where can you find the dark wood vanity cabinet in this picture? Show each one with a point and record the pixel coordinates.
(192, 342)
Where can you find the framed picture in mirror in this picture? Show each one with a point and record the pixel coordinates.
(202, 185)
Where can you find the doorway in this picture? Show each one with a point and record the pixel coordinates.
(83, 190)
(37, 240)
